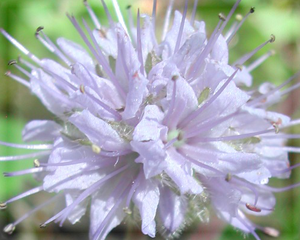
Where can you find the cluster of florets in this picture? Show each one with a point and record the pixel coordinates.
(152, 130)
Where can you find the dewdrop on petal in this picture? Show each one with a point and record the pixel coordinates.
(152, 130)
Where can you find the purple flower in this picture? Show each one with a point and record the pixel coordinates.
(153, 130)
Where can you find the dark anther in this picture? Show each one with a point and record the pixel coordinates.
(252, 10)
(222, 17)
(37, 32)
(12, 62)
(175, 77)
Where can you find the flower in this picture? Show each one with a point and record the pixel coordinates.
(152, 130)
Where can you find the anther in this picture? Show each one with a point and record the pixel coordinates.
(276, 127)
(9, 228)
(38, 30)
(252, 208)
(96, 149)
(3, 206)
(175, 77)
(252, 10)
(127, 210)
(43, 225)
(82, 89)
(7, 73)
(228, 177)
(272, 232)
(180, 136)
(222, 17)
(239, 66)
(272, 52)
(272, 38)
(239, 17)
(12, 62)
(128, 7)
(36, 163)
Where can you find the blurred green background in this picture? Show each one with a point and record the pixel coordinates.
(18, 106)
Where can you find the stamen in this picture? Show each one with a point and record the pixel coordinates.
(99, 55)
(20, 47)
(251, 229)
(52, 47)
(228, 177)
(36, 209)
(246, 57)
(12, 62)
(28, 147)
(240, 24)
(111, 22)
(139, 43)
(246, 184)
(23, 172)
(9, 229)
(88, 192)
(96, 149)
(117, 115)
(172, 103)
(36, 163)
(134, 186)
(63, 214)
(18, 79)
(25, 194)
(25, 156)
(3, 206)
(82, 89)
(65, 84)
(259, 61)
(196, 113)
(181, 27)
(194, 12)
(256, 208)
(292, 123)
(252, 208)
(92, 14)
(231, 138)
(222, 17)
(272, 232)
(283, 189)
(22, 70)
(290, 89)
(110, 214)
(284, 136)
(193, 131)
(123, 61)
(26, 63)
(154, 15)
(198, 163)
(238, 18)
(131, 25)
(257, 100)
(119, 15)
(285, 170)
(276, 127)
(167, 19)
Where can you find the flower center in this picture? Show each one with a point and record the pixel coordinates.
(176, 135)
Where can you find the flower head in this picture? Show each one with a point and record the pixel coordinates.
(152, 128)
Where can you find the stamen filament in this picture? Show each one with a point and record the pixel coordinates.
(29, 147)
(20, 46)
(25, 156)
(181, 27)
(25, 194)
(167, 19)
(93, 16)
